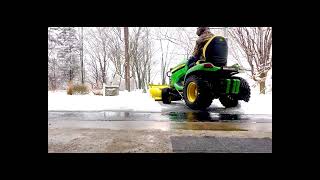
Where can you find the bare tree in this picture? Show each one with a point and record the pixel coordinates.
(67, 53)
(256, 43)
(168, 48)
(165, 62)
(52, 59)
(81, 54)
(146, 58)
(181, 37)
(94, 75)
(115, 44)
(98, 52)
(149, 54)
(141, 53)
(134, 55)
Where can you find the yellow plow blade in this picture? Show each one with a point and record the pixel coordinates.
(155, 91)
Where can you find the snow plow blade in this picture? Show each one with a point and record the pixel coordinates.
(155, 91)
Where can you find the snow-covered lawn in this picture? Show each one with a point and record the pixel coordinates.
(258, 104)
(140, 102)
(125, 101)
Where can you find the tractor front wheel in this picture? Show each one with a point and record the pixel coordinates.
(165, 96)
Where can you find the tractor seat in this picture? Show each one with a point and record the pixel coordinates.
(216, 51)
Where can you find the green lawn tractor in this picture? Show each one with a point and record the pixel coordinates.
(207, 79)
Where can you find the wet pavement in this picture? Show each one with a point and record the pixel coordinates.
(163, 121)
(192, 116)
(177, 111)
(176, 129)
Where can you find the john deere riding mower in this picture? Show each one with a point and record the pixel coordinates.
(209, 78)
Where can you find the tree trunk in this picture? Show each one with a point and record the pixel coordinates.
(138, 77)
(162, 65)
(70, 64)
(54, 76)
(120, 81)
(149, 73)
(70, 75)
(54, 80)
(81, 57)
(144, 86)
(113, 78)
(164, 75)
(103, 77)
(262, 85)
(127, 76)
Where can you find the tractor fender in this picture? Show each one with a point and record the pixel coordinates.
(199, 69)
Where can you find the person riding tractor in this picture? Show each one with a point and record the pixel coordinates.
(204, 35)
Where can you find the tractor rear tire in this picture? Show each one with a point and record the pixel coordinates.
(228, 101)
(197, 97)
(244, 91)
(165, 95)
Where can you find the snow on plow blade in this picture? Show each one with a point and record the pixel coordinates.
(155, 91)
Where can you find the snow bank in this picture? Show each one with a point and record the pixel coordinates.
(142, 102)
(126, 101)
(258, 104)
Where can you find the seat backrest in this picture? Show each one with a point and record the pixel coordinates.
(216, 51)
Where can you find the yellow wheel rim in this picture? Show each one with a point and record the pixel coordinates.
(192, 92)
